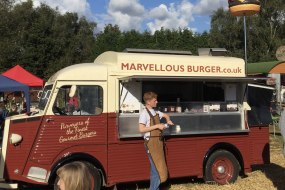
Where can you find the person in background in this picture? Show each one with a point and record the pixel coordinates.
(3, 114)
(24, 110)
(73, 103)
(74, 176)
(149, 124)
(14, 110)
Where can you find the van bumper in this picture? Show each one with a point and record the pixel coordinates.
(8, 185)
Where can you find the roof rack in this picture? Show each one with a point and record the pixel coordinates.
(156, 51)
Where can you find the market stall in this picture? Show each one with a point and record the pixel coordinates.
(21, 75)
(275, 70)
(35, 83)
(9, 85)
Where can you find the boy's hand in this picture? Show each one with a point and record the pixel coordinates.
(161, 126)
(170, 122)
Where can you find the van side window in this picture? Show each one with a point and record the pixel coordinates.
(91, 99)
(79, 100)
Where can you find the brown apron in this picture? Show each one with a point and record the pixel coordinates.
(156, 148)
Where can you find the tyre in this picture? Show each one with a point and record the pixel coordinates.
(96, 177)
(222, 167)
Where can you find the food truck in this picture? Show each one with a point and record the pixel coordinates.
(89, 112)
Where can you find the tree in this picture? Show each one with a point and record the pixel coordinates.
(73, 41)
(107, 40)
(6, 4)
(272, 19)
(202, 39)
(264, 31)
(42, 40)
(226, 32)
(187, 40)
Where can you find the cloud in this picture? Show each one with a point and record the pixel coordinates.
(131, 8)
(125, 13)
(131, 14)
(182, 14)
(206, 7)
(172, 17)
(81, 7)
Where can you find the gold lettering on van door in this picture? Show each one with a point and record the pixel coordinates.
(76, 131)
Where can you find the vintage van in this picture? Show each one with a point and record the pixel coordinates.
(217, 134)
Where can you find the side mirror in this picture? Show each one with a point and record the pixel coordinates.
(72, 91)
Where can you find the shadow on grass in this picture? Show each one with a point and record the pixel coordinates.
(275, 173)
(34, 187)
(189, 182)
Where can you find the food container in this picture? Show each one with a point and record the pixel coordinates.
(165, 109)
(196, 107)
(177, 128)
(171, 109)
(214, 107)
(174, 129)
(205, 108)
(178, 109)
(232, 107)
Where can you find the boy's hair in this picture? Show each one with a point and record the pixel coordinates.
(149, 96)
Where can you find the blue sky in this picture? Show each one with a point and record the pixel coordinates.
(143, 15)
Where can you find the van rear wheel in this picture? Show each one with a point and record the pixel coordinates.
(222, 167)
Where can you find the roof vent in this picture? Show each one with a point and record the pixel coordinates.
(156, 51)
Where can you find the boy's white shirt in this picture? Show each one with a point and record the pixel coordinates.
(145, 119)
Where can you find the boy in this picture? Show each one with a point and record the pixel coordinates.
(149, 124)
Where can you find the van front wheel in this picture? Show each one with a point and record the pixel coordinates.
(97, 179)
(222, 167)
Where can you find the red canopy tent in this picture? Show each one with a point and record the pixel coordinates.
(21, 75)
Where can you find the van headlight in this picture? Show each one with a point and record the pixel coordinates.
(15, 139)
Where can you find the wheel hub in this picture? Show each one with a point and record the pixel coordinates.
(221, 169)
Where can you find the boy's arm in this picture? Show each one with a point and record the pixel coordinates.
(144, 129)
(168, 120)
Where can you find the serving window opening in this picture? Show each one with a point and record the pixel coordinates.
(194, 95)
(196, 106)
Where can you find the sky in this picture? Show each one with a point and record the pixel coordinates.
(142, 15)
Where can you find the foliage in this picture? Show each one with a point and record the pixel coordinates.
(43, 41)
(265, 31)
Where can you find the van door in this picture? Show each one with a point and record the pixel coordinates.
(259, 99)
(76, 122)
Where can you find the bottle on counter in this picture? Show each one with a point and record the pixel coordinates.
(165, 109)
(178, 128)
(178, 106)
